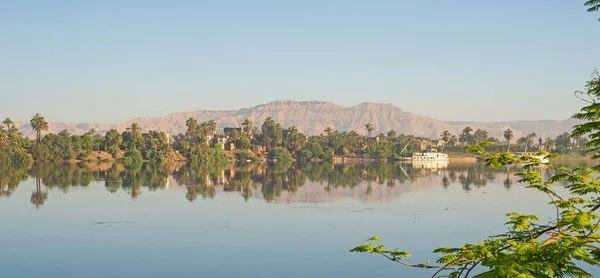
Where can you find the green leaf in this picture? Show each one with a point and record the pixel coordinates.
(374, 238)
(362, 248)
(399, 253)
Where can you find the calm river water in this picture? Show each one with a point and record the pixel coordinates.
(256, 221)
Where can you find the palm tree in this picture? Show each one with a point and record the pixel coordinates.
(508, 135)
(136, 131)
(209, 128)
(8, 122)
(548, 144)
(466, 137)
(328, 131)
(594, 6)
(369, 128)
(445, 136)
(38, 124)
(529, 141)
(453, 140)
(192, 126)
(294, 139)
(212, 127)
(522, 142)
(247, 126)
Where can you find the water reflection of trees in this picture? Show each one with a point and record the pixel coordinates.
(262, 180)
(63, 176)
(10, 178)
(39, 194)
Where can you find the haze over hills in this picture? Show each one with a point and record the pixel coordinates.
(312, 117)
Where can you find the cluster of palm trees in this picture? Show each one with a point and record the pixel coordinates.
(38, 124)
(527, 140)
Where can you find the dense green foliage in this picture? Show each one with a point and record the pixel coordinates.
(280, 154)
(13, 147)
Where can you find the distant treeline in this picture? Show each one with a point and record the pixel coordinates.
(202, 144)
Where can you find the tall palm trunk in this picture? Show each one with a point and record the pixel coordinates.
(508, 146)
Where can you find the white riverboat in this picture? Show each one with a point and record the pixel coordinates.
(429, 155)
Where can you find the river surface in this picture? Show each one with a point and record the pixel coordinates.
(260, 220)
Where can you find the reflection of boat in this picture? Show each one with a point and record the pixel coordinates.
(435, 164)
(429, 155)
(542, 158)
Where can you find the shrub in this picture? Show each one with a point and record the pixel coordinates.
(281, 154)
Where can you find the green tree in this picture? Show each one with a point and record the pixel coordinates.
(522, 142)
(280, 154)
(549, 144)
(391, 133)
(272, 133)
(38, 124)
(445, 136)
(529, 139)
(508, 135)
(369, 127)
(192, 127)
(136, 131)
(466, 137)
(155, 146)
(247, 127)
(480, 136)
(210, 127)
(243, 143)
(8, 122)
(293, 139)
(3, 135)
(314, 147)
(112, 141)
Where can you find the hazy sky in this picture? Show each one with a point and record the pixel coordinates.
(110, 61)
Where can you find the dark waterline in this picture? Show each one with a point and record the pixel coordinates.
(253, 221)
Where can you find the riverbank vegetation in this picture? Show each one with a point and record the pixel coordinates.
(201, 143)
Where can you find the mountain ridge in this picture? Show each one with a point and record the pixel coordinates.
(312, 117)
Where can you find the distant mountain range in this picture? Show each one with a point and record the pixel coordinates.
(312, 117)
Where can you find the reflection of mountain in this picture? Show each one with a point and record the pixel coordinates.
(276, 183)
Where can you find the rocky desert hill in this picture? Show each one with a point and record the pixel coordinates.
(312, 117)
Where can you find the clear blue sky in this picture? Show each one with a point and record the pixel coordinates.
(110, 61)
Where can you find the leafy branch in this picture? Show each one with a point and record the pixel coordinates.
(529, 249)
